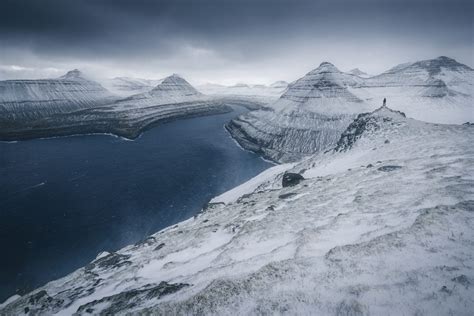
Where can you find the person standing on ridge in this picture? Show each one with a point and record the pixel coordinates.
(384, 102)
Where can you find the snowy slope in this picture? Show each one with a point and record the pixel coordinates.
(308, 117)
(315, 109)
(263, 92)
(381, 225)
(174, 98)
(126, 86)
(171, 90)
(32, 99)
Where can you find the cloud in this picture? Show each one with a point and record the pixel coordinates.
(218, 40)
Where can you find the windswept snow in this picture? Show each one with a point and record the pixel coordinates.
(381, 224)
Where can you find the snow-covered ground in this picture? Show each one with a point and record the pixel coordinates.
(381, 225)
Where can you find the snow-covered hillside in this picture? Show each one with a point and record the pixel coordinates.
(380, 224)
(174, 98)
(315, 109)
(308, 118)
(358, 72)
(32, 99)
(259, 91)
(126, 86)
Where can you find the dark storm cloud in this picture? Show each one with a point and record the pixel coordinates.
(224, 31)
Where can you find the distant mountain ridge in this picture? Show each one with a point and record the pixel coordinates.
(126, 86)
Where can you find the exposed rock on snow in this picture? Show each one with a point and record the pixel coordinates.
(347, 240)
(32, 99)
(315, 109)
(291, 179)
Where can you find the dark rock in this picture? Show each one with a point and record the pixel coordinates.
(462, 279)
(387, 141)
(159, 246)
(112, 260)
(446, 290)
(291, 179)
(369, 165)
(286, 195)
(147, 241)
(389, 168)
(124, 301)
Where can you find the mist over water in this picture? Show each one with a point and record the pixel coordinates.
(63, 200)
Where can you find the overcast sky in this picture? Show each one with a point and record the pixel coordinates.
(223, 41)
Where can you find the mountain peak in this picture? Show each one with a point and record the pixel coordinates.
(175, 85)
(73, 74)
(324, 67)
(358, 72)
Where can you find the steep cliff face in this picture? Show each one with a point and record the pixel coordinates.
(315, 109)
(32, 99)
(381, 224)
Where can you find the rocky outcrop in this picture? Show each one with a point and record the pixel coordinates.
(291, 179)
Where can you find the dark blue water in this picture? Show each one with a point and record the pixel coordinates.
(63, 200)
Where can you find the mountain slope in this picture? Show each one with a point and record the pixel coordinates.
(126, 86)
(315, 109)
(174, 98)
(32, 99)
(308, 117)
(260, 92)
(379, 225)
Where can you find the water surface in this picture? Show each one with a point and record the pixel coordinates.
(63, 200)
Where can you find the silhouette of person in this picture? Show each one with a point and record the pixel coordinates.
(384, 102)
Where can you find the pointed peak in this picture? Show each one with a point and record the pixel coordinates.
(175, 78)
(358, 72)
(325, 67)
(73, 74)
(173, 84)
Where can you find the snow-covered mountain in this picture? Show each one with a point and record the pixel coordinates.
(174, 98)
(315, 109)
(126, 86)
(32, 99)
(270, 92)
(358, 72)
(172, 89)
(308, 117)
(381, 223)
